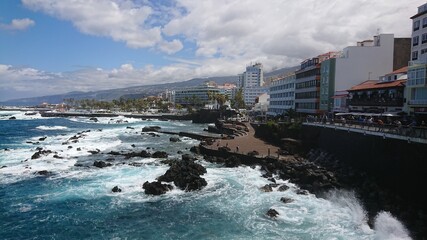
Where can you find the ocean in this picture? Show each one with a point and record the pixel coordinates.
(75, 201)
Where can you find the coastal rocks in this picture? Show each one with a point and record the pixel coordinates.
(266, 188)
(12, 118)
(302, 192)
(4, 166)
(143, 154)
(151, 129)
(283, 188)
(272, 213)
(156, 188)
(159, 154)
(232, 162)
(93, 119)
(40, 153)
(253, 153)
(42, 138)
(185, 174)
(116, 189)
(57, 156)
(101, 164)
(174, 139)
(286, 200)
(195, 149)
(96, 151)
(43, 173)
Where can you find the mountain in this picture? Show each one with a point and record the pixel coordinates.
(132, 92)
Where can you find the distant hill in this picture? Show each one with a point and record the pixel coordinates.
(131, 92)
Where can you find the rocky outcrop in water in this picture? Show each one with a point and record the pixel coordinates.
(159, 154)
(116, 189)
(272, 213)
(101, 164)
(40, 153)
(156, 188)
(185, 174)
(151, 129)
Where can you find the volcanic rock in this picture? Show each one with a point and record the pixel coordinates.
(156, 188)
(174, 139)
(116, 189)
(160, 154)
(286, 200)
(186, 175)
(151, 129)
(272, 213)
(101, 164)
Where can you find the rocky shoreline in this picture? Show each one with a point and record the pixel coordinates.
(318, 172)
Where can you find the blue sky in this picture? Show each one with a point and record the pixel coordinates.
(49, 46)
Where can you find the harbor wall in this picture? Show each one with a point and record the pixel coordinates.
(399, 165)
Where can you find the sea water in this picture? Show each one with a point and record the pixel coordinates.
(76, 202)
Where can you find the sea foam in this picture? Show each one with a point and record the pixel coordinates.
(42, 127)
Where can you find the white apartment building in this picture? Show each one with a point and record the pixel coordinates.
(282, 95)
(416, 86)
(368, 60)
(197, 95)
(251, 82)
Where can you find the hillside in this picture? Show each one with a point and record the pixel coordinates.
(131, 92)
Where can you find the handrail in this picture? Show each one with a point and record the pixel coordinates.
(394, 129)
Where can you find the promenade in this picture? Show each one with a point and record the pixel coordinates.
(248, 143)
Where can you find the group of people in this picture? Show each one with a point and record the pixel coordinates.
(410, 127)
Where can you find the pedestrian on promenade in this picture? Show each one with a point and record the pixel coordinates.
(268, 151)
(423, 130)
(237, 148)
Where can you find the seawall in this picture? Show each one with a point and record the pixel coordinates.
(397, 164)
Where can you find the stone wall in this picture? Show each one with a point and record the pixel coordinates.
(398, 165)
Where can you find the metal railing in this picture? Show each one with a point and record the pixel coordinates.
(393, 129)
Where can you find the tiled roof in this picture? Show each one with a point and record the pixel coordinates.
(400, 70)
(374, 84)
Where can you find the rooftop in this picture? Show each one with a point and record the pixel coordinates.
(375, 84)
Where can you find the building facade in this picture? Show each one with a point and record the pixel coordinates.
(197, 95)
(416, 92)
(307, 86)
(368, 60)
(251, 82)
(282, 95)
(378, 96)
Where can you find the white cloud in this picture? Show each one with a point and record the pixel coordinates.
(18, 24)
(222, 36)
(287, 30)
(123, 21)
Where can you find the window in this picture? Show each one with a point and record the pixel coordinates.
(423, 50)
(415, 40)
(415, 55)
(424, 22)
(424, 38)
(416, 25)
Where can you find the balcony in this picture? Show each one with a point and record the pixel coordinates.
(418, 102)
(387, 102)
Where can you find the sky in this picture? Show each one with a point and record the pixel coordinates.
(50, 46)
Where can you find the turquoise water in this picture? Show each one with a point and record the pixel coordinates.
(77, 202)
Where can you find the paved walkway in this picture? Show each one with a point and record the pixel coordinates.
(248, 143)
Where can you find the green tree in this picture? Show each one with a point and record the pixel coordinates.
(238, 100)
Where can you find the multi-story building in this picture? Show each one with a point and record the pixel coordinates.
(368, 60)
(416, 93)
(282, 94)
(252, 77)
(383, 95)
(307, 85)
(197, 95)
(251, 82)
